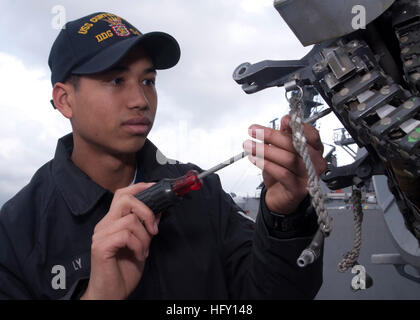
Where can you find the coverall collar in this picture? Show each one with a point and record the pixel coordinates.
(80, 192)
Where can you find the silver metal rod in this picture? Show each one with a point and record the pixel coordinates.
(318, 116)
(222, 165)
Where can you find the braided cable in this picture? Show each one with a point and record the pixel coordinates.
(350, 258)
(313, 186)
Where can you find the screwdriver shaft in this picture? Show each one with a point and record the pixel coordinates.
(318, 116)
(223, 164)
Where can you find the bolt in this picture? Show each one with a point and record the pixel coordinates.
(344, 92)
(405, 50)
(408, 104)
(408, 63)
(415, 135)
(385, 90)
(415, 76)
(366, 77)
(385, 121)
(404, 39)
(361, 107)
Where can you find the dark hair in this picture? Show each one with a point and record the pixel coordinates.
(74, 80)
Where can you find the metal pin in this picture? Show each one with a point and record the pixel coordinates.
(319, 115)
(223, 164)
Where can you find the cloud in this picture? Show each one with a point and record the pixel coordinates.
(251, 6)
(29, 127)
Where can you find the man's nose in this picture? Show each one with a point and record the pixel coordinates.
(137, 97)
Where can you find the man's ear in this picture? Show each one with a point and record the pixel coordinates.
(62, 97)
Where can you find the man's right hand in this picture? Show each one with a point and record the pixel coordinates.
(120, 245)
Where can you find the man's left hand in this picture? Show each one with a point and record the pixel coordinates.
(284, 173)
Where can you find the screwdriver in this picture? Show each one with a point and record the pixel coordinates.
(168, 192)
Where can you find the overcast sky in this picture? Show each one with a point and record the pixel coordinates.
(203, 115)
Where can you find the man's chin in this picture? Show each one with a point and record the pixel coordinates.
(130, 146)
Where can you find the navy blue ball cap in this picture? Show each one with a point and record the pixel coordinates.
(96, 42)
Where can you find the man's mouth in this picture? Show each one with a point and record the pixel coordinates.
(138, 125)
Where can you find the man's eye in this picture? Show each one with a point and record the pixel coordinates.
(149, 82)
(117, 81)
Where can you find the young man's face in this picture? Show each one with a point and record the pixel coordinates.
(114, 111)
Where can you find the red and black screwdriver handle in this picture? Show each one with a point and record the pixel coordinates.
(168, 192)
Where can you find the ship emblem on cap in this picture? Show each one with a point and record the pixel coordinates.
(119, 28)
